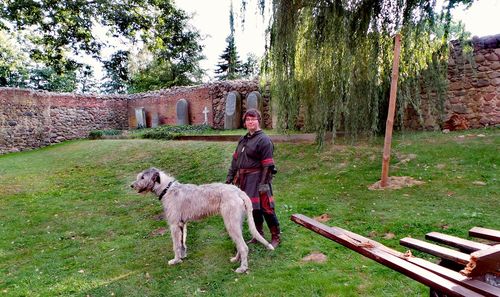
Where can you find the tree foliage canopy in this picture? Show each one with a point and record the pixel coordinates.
(61, 27)
(329, 62)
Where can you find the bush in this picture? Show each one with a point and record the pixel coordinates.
(98, 134)
(173, 132)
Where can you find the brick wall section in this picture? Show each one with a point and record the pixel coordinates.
(212, 95)
(164, 103)
(30, 119)
(473, 88)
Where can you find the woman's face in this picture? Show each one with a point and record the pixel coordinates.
(252, 124)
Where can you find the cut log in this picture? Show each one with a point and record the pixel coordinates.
(464, 245)
(483, 262)
(473, 284)
(436, 250)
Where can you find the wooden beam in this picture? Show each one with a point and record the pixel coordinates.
(483, 262)
(468, 246)
(375, 252)
(436, 250)
(484, 233)
(473, 284)
(390, 115)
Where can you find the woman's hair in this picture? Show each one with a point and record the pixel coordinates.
(252, 112)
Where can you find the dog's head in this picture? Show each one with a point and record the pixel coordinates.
(146, 180)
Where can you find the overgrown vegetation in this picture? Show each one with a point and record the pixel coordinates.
(71, 226)
(172, 132)
(98, 134)
(331, 61)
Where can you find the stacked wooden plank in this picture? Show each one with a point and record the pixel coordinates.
(442, 279)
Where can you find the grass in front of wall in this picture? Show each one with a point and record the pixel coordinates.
(170, 132)
(71, 226)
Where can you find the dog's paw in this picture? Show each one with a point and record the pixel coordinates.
(174, 261)
(234, 259)
(270, 247)
(241, 270)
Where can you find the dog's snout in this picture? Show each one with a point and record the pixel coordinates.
(132, 186)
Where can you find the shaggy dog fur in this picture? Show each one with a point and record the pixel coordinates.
(186, 202)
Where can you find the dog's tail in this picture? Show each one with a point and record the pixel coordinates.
(251, 222)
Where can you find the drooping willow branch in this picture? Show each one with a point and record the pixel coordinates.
(329, 62)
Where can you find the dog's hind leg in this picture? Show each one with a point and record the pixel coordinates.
(233, 222)
(176, 233)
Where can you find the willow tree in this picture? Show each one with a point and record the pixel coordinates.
(329, 62)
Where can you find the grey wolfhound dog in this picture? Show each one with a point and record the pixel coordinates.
(186, 202)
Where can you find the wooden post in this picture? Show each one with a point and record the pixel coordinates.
(390, 116)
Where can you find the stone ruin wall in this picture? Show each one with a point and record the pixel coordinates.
(473, 88)
(31, 119)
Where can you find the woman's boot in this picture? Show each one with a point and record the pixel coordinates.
(275, 236)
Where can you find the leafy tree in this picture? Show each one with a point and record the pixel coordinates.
(250, 68)
(172, 61)
(117, 75)
(13, 67)
(47, 79)
(85, 80)
(18, 70)
(229, 66)
(64, 26)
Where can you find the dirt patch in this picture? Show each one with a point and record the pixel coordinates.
(159, 217)
(389, 235)
(323, 218)
(403, 159)
(479, 183)
(316, 257)
(440, 166)
(397, 182)
(158, 232)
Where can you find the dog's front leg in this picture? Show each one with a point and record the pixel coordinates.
(183, 227)
(176, 234)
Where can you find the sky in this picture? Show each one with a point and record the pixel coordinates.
(211, 18)
(481, 19)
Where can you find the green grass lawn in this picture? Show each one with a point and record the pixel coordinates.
(71, 226)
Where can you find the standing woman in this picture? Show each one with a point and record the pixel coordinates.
(251, 170)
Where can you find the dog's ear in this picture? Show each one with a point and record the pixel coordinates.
(156, 177)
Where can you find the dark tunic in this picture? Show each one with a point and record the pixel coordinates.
(252, 154)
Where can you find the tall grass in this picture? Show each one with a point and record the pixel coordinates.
(71, 226)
